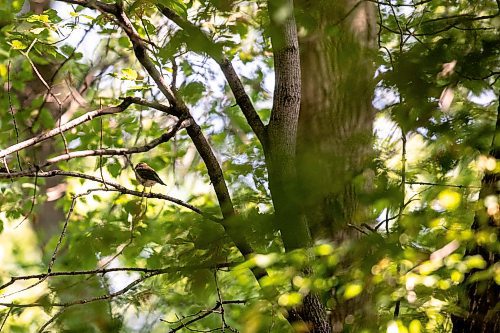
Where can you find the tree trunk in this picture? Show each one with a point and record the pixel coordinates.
(336, 115)
(280, 145)
(482, 297)
(280, 151)
(335, 126)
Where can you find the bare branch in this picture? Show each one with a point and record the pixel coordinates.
(440, 184)
(103, 271)
(117, 187)
(12, 112)
(51, 320)
(61, 236)
(5, 318)
(119, 151)
(157, 106)
(101, 6)
(65, 127)
(204, 314)
(89, 300)
(243, 100)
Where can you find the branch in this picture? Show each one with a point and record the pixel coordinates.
(93, 4)
(203, 315)
(243, 100)
(214, 51)
(140, 51)
(178, 106)
(13, 279)
(438, 184)
(117, 187)
(157, 106)
(85, 301)
(119, 151)
(5, 318)
(63, 128)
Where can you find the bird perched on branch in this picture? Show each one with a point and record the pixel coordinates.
(146, 175)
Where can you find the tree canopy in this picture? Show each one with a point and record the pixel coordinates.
(330, 166)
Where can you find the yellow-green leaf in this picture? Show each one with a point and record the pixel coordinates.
(18, 45)
(290, 299)
(129, 74)
(449, 199)
(352, 290)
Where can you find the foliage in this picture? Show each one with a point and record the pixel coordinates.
(436, 95)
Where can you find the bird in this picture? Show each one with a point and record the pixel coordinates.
(146, 175)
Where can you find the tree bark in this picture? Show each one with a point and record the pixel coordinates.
(280, 146)
(334, 142)
(336, 115)
(280, 152)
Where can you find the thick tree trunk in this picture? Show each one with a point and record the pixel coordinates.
(280, 151)
(483, 297)
(282, 129)
(334, 142)
(334, 88)
(336, 115)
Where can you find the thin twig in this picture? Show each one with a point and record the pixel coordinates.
(33, 199)
(205, 314)
(102, 271)
(5, 319)
(220, 300)
(11, 109)
(445, 185)
(85, 301)
(61, 236)
(51, 320)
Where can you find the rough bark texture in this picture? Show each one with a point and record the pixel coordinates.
(335, 125)
(336, 115)
(483, 297)
(280, 146)
(280, 151)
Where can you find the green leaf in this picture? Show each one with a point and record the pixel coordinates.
(114, 168)
(352, 290)
(129, 74)
(18, 45)
(192, 91)
(38, 18)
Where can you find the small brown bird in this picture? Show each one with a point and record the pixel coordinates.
(146, 175)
